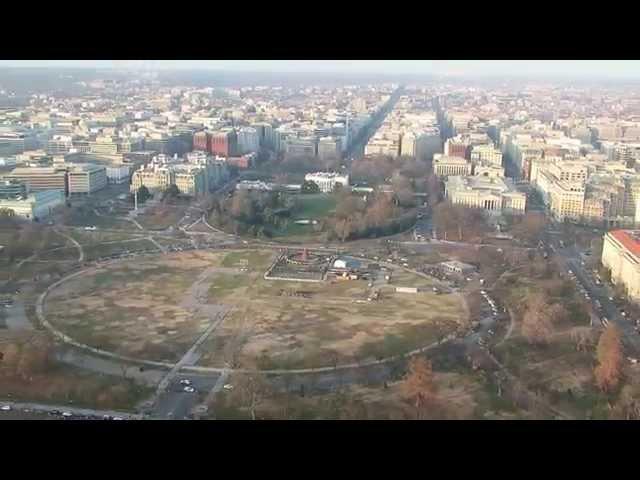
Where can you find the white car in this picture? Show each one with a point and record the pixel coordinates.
(5, 408)
(117, 418)
(185, 382)
(483, 292)
(189, 389)
(228, 386)
(67, 414)
(91, 228)
(632, 360)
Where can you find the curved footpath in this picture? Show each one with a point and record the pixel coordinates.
(168, 366)
(226, 371)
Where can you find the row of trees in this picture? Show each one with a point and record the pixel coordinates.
(376, 169)
(527, 228)
(455, 222)
(25, 359)
(540, 317)
(253, 392)
(356, 218)
(25, 239)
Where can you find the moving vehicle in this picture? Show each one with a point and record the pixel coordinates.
(5, 408)
(91, 228)
(189, 389)
(228, 386)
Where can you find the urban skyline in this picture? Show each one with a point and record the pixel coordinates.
(232, 244)
(620, 69)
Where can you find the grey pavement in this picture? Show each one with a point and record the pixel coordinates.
(16, 317)
(106, 366)
(79, 412)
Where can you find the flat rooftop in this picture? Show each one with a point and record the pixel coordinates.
(629, 239)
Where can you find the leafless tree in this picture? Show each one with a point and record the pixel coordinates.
(608, 373)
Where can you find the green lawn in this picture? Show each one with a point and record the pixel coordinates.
(314, 206)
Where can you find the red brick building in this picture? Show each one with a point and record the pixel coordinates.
(224, 143)
(456, 149)
(202, 141)
(243, 162)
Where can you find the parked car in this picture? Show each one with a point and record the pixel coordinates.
(5, 408)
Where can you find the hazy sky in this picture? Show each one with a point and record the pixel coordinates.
(573, 68)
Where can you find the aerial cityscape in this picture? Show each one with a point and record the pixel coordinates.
(178, 243)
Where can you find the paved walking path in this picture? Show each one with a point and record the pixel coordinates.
(189, 359)
(160, 247)
(75, 243)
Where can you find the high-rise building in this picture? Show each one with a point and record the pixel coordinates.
(328, 147)
(86, 178)
(248, 140)
(224, 143)
(202, 141)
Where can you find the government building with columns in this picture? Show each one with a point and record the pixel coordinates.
(445, 165)
(494, 194)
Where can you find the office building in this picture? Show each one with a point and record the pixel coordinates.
(224, 143)
(118, 174)
(301, 147)
(41, 178)
(493, 194)
(11, 143)
(328, 147)
(11, 189)
(445, 165)
(248, 140)
(36, 205)
(621, 255)
(486, 154)
(85, 178)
